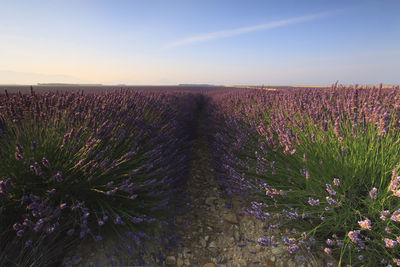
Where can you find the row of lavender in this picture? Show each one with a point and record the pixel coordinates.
(322, 163)
(75, 166)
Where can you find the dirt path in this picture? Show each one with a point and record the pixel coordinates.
(216, 232)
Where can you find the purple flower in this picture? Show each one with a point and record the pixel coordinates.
(336, 181)
(45, 163)
(353, 235)
(118, 220)
(50, 229)
(265, 241)
(17, 226)
(18, 156)
(329, 242)
(366, 224)
(395, 182)
(384, 213)
(373, 193)
(35, 168)
(28, 243)
(38, 225)
(330, 190)
(390, 243)
(300, 260)
(331, 201)
(98, 238)
(58, 177)
(19, 148)
(396, 216)
(20, 233)
(313, 202)
(5, 187)
(112, 192)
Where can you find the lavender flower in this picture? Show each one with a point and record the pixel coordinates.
(366, 224)
(28, 243)
(373, 193)
(330, 190)
(395, 182)
(331, 201)
(336, 181)
(265, 241)
(19, 148)
(384, 213)
(328, 251)
(20, 233)
(353, 235)
(45, 163)
(5, 187)
(18, 156)
(58, 177)
(329, 242)
(390, 243)
(396, 216)
(313, 202)
(118, 220)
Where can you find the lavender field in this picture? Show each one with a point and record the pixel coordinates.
(317, 168)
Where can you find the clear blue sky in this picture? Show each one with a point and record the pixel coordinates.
(202, 41)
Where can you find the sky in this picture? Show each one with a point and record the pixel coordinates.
(223, 42)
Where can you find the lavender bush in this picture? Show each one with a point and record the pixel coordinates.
(324, 162)
(75, 166)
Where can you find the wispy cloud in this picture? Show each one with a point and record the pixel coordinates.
(243, 30)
